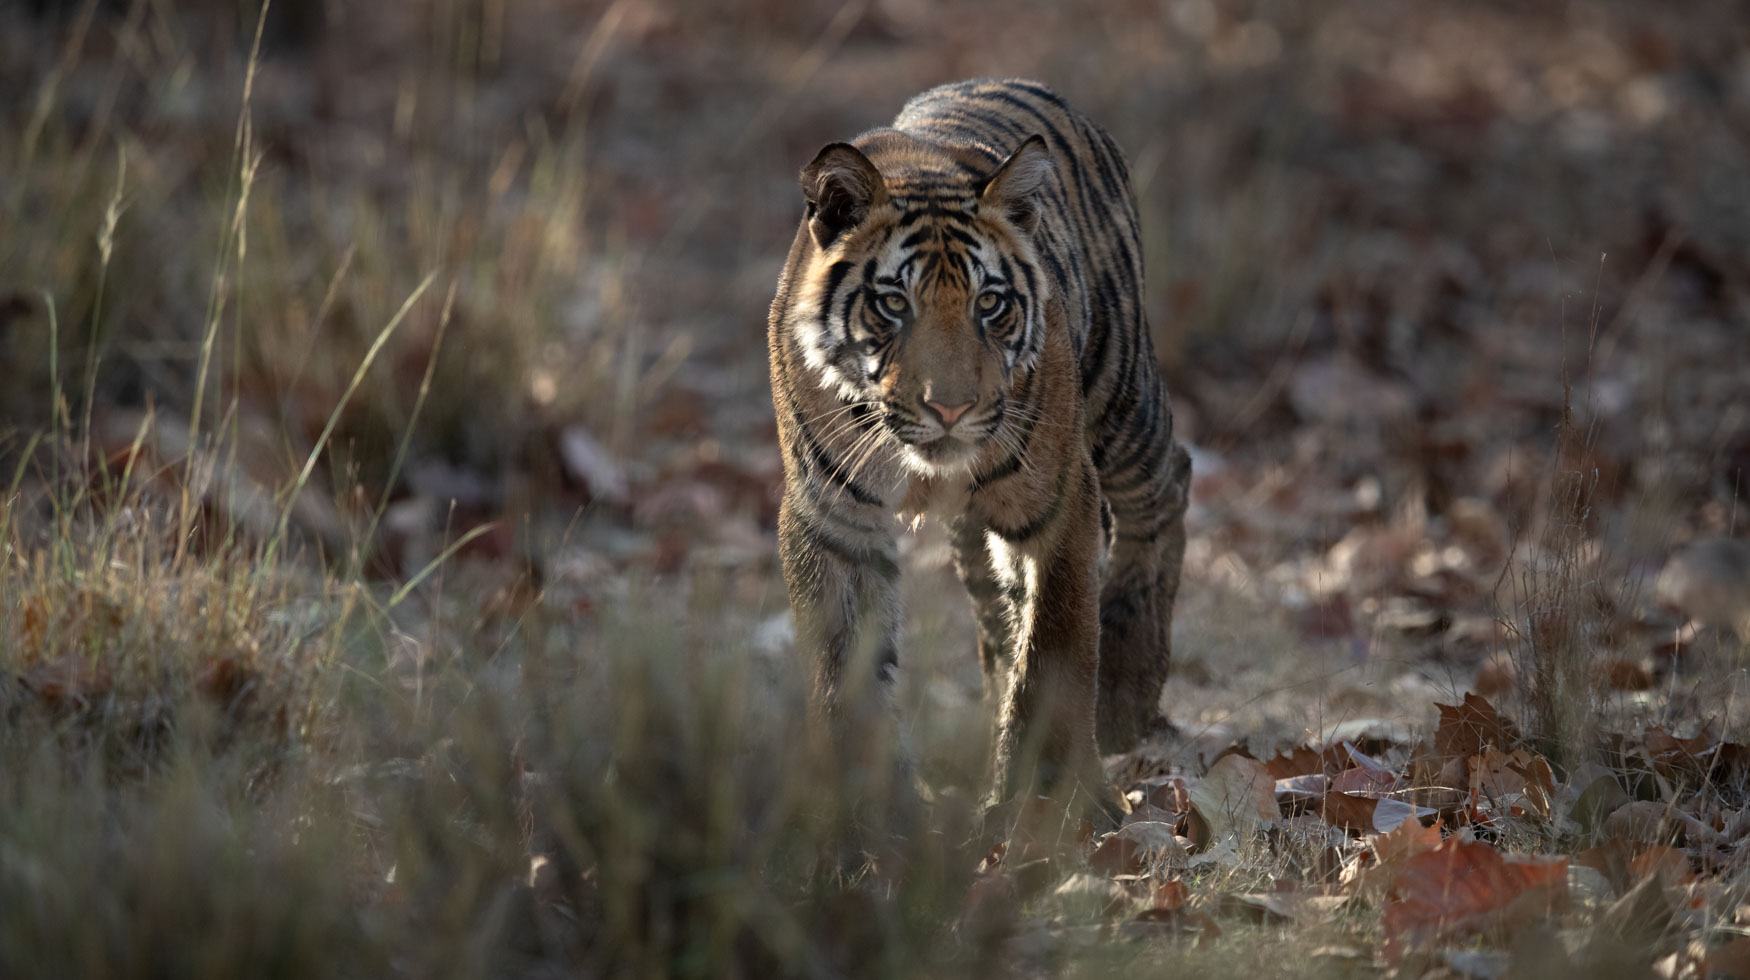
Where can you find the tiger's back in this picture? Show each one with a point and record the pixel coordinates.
(960, 328)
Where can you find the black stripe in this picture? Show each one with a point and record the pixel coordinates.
(1110, 175)
(1134, 472)
(1041, 91)
(1136, 439)
(1095, 359)
(851, 299)
(1027, 531)
(914, 215)
(1107, 293)
(866, 559)
(955, 234)
(1003, 470)
(835, 277)
(1084, 192)
(830, 467)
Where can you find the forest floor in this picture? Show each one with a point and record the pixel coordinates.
(388, 577)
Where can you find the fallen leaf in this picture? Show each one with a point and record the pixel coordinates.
(1602, 796)
(1370, 875)
(1310, 786)
(1155, 895)
(1235, 796)
(1262, 907)
(1091, 895)
(1668, 864)
(1468, 728)
(1657, 823)
(1587, 886)
(1505, 778)
(991, 909)
(1661, 744)
(1626, 675)
(1640, 916)
(1368, 814)
(1363, 761)
(1728, 962)
(1365, 781)
(1138, 847)
(1463, 887)
(1303, 760)
(1168, 794)
(1624, 863)
(1148, 812)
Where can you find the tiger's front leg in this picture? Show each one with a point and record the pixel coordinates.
(844, 594)
(1045, 728)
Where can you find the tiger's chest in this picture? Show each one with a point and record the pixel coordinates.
(935, 498)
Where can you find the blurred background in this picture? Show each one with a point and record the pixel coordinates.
(1444, 293)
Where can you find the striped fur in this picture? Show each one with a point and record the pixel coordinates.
(959, 332)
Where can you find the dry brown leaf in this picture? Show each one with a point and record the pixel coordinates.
(1365, 781)
(1092, 894)
(1661, 744)
(1405, 843)
(1734, 825)
(1348, 812)
(1175, 923)
(990, 910)
(1657, 823)
(1728, 962)
(1461, 887)
(1624, 863)
(1169, 795)
(1626, 675)
(1156, 895)
(1139, 847)
(1371, 875)
(1303, 760)
(1518, 777)
(1264, 907)
(1668, 864)
(1601, 796)
(1235, 796)
(1150, 812)
(1468, 728)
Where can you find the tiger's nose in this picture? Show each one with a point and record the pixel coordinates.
(950, 415)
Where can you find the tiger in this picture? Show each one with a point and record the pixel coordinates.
(958, 332)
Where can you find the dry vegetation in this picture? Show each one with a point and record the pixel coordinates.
(387, 578)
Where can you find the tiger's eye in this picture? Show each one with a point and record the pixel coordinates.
(989, 301)
(893, 303)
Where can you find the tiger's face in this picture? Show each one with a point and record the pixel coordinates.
(927, 296)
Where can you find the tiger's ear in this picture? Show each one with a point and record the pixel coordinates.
(1014, 187)
(841, 187)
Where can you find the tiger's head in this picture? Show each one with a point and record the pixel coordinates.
(923, 297)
